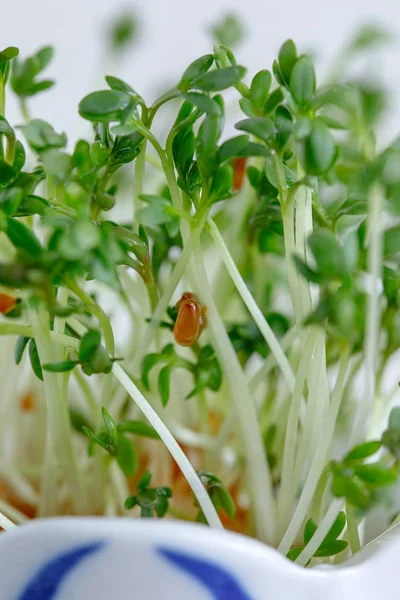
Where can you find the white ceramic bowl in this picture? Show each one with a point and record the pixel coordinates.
(124, 559)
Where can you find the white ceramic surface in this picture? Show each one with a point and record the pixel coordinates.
(121, 559)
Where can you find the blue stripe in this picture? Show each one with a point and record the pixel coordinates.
(221, 584)
(47, 581)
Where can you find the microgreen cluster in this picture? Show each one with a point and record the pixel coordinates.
(206, 308)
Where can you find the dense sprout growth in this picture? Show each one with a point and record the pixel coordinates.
(255, 277)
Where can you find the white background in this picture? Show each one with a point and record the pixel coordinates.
(173, 33)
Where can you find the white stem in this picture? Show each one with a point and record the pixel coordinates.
(5, 523)
(260, 484)
(373, 313)
(323, 529)
(303, 230)
(287, 490)
(319, 459)
(162, 306)
(57, 410)
(251, 304)
(288, 339)
(16, 515)
(172, 445)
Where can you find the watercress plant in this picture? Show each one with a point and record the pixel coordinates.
(284, 233)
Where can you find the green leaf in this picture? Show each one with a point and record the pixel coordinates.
(319, 149)
(261, 127)
(8, 54)
(228, 31)
(362, 451)
(58, 164)
(206, 144)
(104, 106)
(94, 438)
(203, 102)
(328, 253)
(369, 36)
(222, 183)
(294, 553)
(11, 198)
(309, 530)
(183, 150)
(226, 501)
(35, 360)
(61, 367)
(126, 456)
(20, 346)
(125, 149)
(119, 85)
(145, 481)
(284, 127)
(156, 213)
(287, 57)
(7, 172)
(138, 428)
(336, 529)
(149, 362)
(164, 384)
(111, 427)
(356, 204)
(375, 474)
(89, 344)
(219, 79)
(391, 241)
(355, 492)
(196, 69)
(259, 89)
(331, 549)
(274, 99)
(232, 148)
(302, 80)
(41, 135)
(22, 237)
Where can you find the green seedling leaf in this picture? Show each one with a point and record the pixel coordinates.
(138, 428)
(319, 149)
(164, 384)
(376, 474)
(104, 106)
(111, 428)
(229, 31)
(126, 456)
(35, 360)
(259, 89)
(261, 127)
(149, 362)
(196, 69)
(287, 58)
(233, 148)
(94, 438)
(219, 79)
(90, 342)
(22, 237)
(203, 103)
(119, 85)
(302, 80)
(20, 346)
(41, 135)
(61, 367)
(222, 184)
(363, 451)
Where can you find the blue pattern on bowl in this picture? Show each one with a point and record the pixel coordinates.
(45, 584)
(221, 584)
(47, 581)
